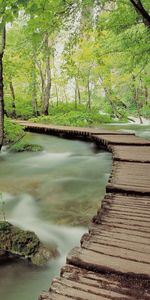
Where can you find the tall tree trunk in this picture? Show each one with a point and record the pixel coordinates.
(142, 12)
(146, 94)
(78, 91)
(136, 99)
(112, 104)
(42, 80)
(75, 96)
(13, 98)
(48, 77)
(2, 48)
(65, 95)
(89, 95)
(34, 100)
(34, 86)
(108, 95)
(57, 96)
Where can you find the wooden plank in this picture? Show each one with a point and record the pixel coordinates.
(119, 242)
(131, 153)
(121, 229)
(120, 140)
(77, 283)
(130, 177)
(122, 236)
(101, 262)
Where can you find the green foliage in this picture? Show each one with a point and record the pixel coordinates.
(13, 131)
(22, 146)
(145, 111)
(15, 136)
(65, 115)
(104, 60)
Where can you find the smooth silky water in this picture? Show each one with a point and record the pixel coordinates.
(54, 193)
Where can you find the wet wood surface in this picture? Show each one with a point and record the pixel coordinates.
(113, 260)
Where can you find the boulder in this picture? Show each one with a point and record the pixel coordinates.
(18, 243)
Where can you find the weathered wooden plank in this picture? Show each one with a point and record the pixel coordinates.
(130, 177)
(53, 296)
(100, 262)
(119, 228)
(82, 284)
(116, 241)
(122, 236)
(126, 200)
(125, 252)
(120, 140)
(131, 153)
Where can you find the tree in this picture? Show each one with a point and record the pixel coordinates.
(2, 48)
(139, 7)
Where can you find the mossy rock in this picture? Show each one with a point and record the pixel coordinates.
(25, 244)
(22, 147)
(4, 226)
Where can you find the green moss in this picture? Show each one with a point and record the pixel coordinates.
(22, 146)
(16, 241)
(25, 242)
(4, 227)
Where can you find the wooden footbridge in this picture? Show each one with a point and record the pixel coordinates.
(113, 261)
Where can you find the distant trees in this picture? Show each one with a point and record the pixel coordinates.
(103, 58)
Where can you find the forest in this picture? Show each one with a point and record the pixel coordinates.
(73, 62)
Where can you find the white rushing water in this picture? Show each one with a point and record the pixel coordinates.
(25, 215)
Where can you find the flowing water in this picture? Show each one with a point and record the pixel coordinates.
(53, 193)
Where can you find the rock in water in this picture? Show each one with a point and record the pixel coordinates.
(17, 243)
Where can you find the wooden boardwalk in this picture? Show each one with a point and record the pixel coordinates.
(113, 261)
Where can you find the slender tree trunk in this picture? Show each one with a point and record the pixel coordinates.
(75, 96)
(13, 98)
(137, 4)
(108, 95)
(34, 86)
(48, 77)
(89, 95)
(42, 80)
(2, 48)
(146, 94)
(34, 100)
(57, 96)
(65, 96)
(136, 99)
(78, 91)
(113, 106)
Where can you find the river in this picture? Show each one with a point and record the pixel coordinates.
(54, 193)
